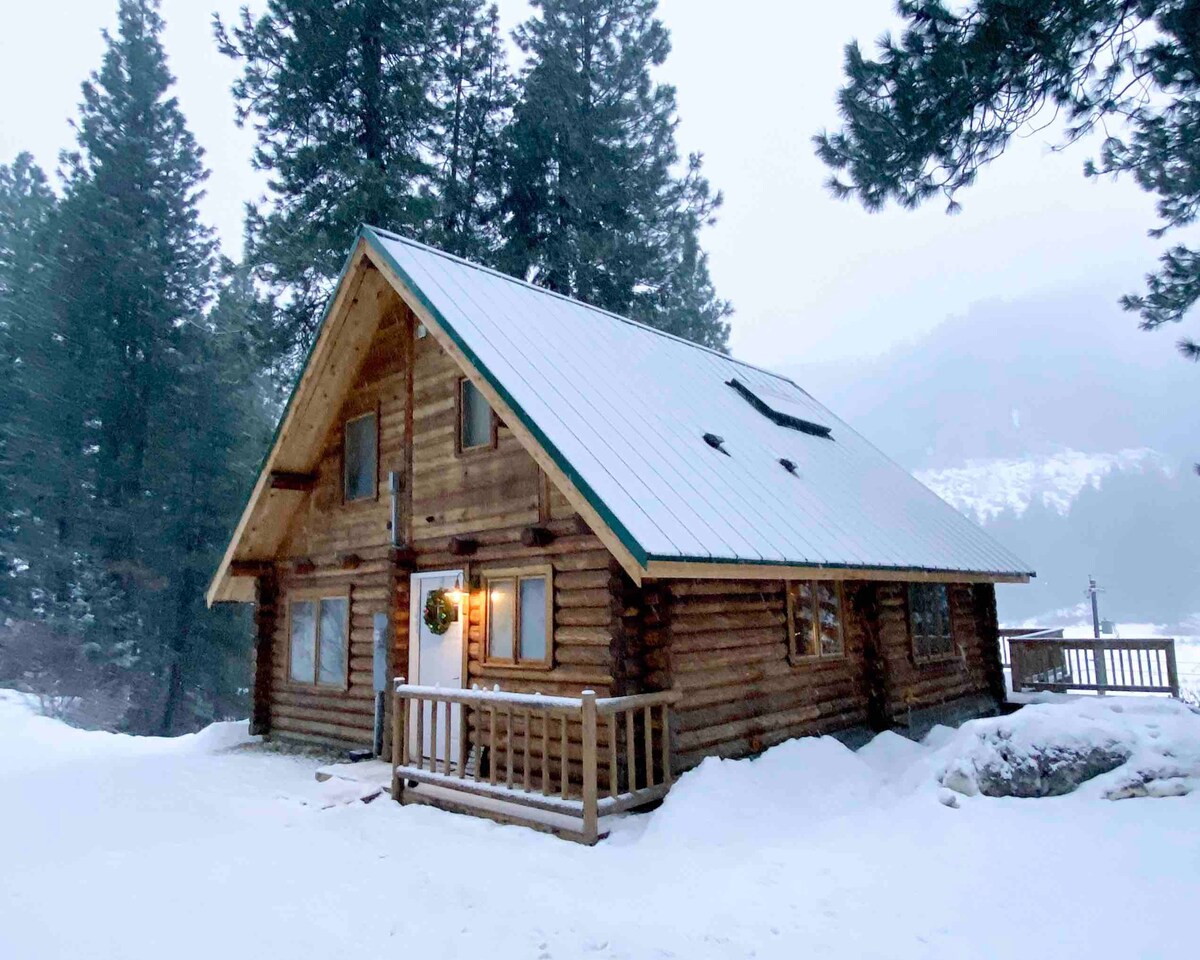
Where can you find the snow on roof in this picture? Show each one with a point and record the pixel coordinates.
(623, 409)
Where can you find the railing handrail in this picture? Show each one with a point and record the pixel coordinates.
(465, 695)
(1049, 633)
(1112, 642)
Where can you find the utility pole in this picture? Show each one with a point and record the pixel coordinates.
(1099, 654)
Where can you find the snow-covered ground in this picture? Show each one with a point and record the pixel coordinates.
(984, 489)
(115, 847)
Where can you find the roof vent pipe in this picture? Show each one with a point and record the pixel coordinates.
(716, 442)
(788, 465)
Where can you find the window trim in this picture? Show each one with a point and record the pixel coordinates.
(923, 660)
(794, 654)
(373, 497)
(460, 410)
(517, 574)
(316, 595)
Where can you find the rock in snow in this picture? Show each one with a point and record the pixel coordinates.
(1050, 749)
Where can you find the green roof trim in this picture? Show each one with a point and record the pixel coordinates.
(597, 503)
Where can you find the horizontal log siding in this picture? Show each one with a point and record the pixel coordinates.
(724, 644)
(324, 531)
(324, 526)
(912, 686)
(461, 494)
(319, 714)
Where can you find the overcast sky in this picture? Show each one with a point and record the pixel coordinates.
(811, 278)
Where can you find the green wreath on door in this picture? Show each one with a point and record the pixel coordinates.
(439, 612)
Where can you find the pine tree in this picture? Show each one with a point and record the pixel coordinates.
(341, 98)
(474, 94)
(141, 391)
(595, 208)
(946, 98)
(27, 212)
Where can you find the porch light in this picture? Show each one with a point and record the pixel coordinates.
(455, 594)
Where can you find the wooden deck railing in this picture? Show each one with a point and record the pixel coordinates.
(1007, 633)
(1105, 665)
(581, 757)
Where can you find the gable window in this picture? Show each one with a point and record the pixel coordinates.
(476, 425)
(929, 622)
(360, 458)
(318, 628)
(520, 617)
(815, 619)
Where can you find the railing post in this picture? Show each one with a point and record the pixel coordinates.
(1015, 650)
(1172, 670)
(1100, 663)
(591, 828)
(399, 739)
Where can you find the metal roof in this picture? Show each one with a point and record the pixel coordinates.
(623, 409)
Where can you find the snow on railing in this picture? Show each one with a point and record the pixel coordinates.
(582, 757)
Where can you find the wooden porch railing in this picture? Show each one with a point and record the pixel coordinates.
(581, 757)
(1106, 665)
(1007, 633)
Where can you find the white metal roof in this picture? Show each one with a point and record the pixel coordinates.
(623, 410)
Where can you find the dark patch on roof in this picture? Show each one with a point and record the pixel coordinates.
(778, 416)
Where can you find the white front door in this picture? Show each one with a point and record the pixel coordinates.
(435, 660)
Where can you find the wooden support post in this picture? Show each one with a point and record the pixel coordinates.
(591, 828)
(399, 741)
(1100, 663)
(266, 603)
(1172, 670)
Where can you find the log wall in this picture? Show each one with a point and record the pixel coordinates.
(724, 644)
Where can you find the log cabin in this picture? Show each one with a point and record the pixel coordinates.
(541, 556)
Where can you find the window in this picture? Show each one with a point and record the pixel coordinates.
(360, 458)
(815, 619)
(476, 427)
(317, 631)
(929, 622)
(520, 617)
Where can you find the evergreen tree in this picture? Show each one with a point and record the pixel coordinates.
(27, 208)
(341, 99)
(947, 97)
(474, 95)
(595, 208)
(142, 400)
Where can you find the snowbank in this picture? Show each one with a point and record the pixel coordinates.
(31, 741)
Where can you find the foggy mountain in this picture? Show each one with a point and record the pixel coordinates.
(1065, 430)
